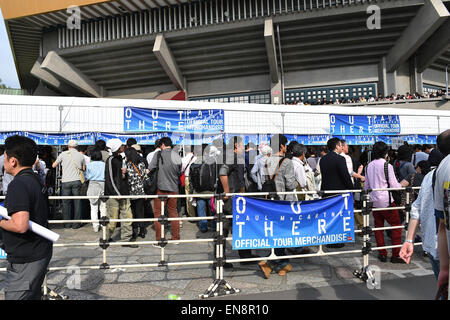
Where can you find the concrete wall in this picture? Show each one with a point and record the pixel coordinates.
(141, 93)
(229, 85)
(49, 42)
(403, 80)
(331, 76)
(434, 77)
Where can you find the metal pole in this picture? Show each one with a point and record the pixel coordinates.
(281, 63)
(446, 81)
(163, 231)
(61, 108)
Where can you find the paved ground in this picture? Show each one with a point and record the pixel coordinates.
(311, 278)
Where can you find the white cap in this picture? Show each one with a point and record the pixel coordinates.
(266, 150)
(73, 143)
(114, 144)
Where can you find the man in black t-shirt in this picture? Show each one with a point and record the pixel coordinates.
(28, 254)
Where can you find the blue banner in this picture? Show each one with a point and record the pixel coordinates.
(89, 138)
(364, 125)
(262, 224)
(53, 139)
(2, 254)
(309, 140)
(154, 120)
(358, 140)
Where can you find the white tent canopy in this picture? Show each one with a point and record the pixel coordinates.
(70, 114)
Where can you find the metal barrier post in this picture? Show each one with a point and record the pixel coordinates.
(163, 220)
(104, 241)
(367, 247)
(219, 287)
(409, 192)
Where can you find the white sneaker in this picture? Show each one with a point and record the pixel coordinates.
(156, 246)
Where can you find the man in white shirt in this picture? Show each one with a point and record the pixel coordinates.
(299, 153)
(349, 161)
(186, 162)
(73, 165)
(152, 154)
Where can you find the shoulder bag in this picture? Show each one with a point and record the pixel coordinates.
(80, 172)
(153, 176)
(395, 195)
(145, 180)
(183, 176)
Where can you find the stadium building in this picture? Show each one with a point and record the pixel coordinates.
(248, 51)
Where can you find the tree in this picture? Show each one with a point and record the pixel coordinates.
(2, 86)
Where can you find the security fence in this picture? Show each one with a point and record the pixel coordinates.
(219, 285)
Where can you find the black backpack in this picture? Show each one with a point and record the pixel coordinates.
(203, 177)
(269, 184)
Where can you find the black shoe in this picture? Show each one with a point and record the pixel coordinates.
(142, 232)
(68, 226)
(130, 245)
(382, 258)
(335, 245)
(397, 260)
(226, 265)
(76, 226)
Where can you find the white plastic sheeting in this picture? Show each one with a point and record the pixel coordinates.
(69, 114)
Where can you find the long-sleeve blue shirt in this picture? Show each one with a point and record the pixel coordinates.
(95, 171)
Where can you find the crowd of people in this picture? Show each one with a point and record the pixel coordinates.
(115, 169)
(371, 98)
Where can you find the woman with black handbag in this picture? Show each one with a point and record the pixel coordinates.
(136, 173)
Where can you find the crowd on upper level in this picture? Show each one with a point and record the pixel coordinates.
(371, 98)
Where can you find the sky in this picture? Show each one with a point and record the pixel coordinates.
(8, 72)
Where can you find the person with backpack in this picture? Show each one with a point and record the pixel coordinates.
(379, 175)
(116, 184)
(168, 163)
(73, 165)
(203, 180)
(259, 169)
(402, 166)
(280, 178)
(279, 174)
(232, 180)
(136, 173)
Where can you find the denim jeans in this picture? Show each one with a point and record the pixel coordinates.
(278, 265)
(435, 265)
(71, 188)
(201, 212)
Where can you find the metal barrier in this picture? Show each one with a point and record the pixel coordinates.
(220, 286)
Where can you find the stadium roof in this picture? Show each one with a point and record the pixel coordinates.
(214, 41)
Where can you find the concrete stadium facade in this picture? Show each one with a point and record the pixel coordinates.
(214, 48)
